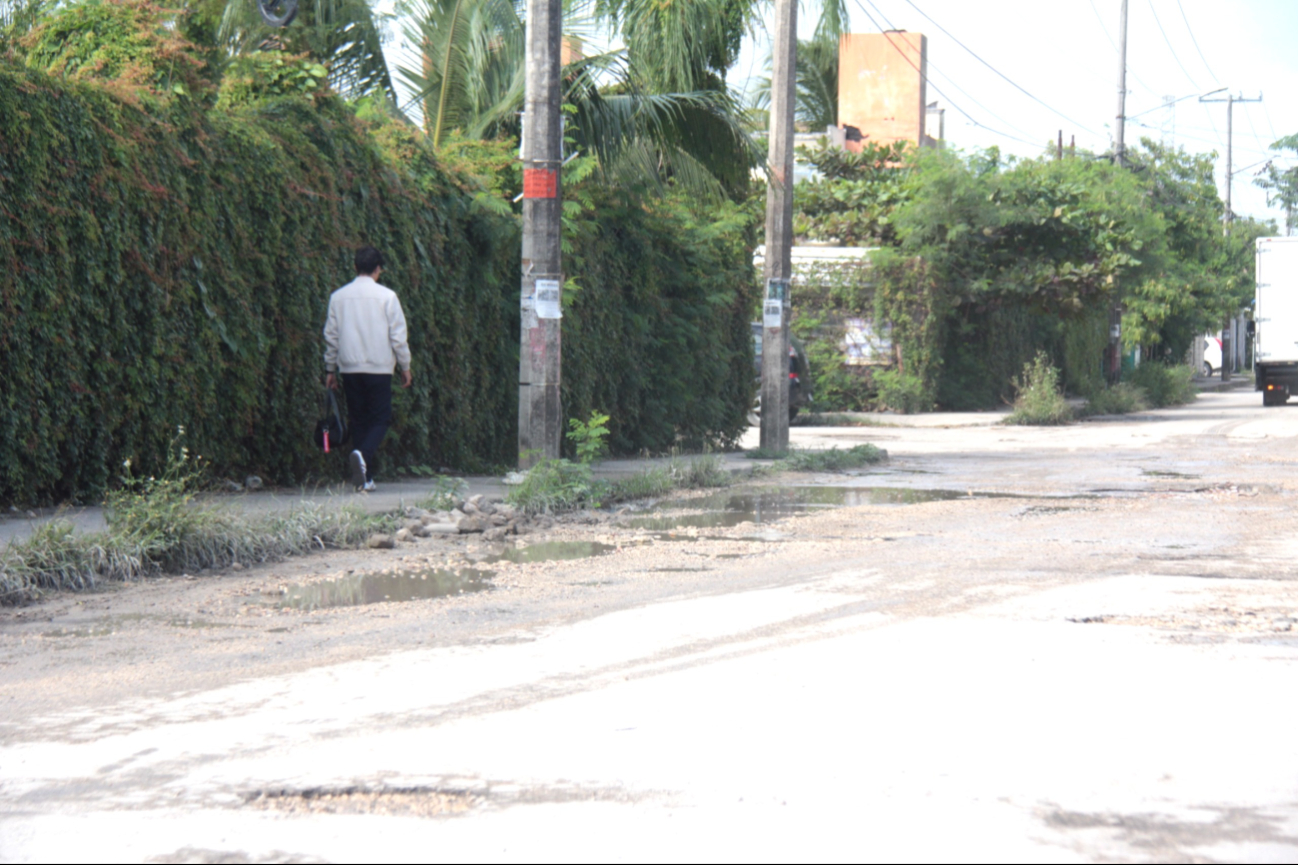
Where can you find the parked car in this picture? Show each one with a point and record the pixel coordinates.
(800, 394)
(1211, 354)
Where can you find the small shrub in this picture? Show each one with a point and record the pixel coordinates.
(588, 438)
(269, 74)
(552, 486)
(1165, 384)
(901, 391)
(1121, 398)
(1040, 402)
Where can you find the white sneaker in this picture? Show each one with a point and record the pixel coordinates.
(356, 463)
(369, 487)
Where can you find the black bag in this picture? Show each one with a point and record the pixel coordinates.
(330, 431)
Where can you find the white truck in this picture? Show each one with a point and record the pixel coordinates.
(1274, 327)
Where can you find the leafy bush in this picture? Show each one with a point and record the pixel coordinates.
(269, 74)
(1040, 402)
(1165, 384)
(901, 391)
(1121, 398)
(174, 263)
(552, 486)
(588, 436)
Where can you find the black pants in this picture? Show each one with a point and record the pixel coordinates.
(369, 413)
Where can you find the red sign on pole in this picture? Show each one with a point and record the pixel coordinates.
(540, 183)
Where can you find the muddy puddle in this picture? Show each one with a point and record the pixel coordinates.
(728, 509)
(356, 590)
(549, 551)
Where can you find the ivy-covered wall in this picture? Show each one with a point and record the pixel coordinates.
(164, 263)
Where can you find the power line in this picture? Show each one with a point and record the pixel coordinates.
(1169, 46)
(1190, 30)
(1267, 112)
(930, 83)
(1105, 30)
(1249, 117)
(997, 71)
(1161, 107)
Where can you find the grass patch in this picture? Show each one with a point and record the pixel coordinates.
(156, 526)
(445, 492)
(1121, 398)
(1165, 385)
(57, 558)
(1040, 401)
(556, 486)
(835, 460)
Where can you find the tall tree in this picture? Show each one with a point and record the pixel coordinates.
(1281, 184)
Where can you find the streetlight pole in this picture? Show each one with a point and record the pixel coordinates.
(779, 233)
(540, 415)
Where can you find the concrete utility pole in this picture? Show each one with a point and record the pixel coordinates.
(1119, 140)
(540, 416)
(1227, 346)
(1120, 159)
(779, 233)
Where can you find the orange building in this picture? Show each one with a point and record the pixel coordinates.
(881, 88)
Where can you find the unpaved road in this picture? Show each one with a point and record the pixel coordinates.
(1097, 665)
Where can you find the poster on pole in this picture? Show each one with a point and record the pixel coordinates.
(773, 314)
(547, 299)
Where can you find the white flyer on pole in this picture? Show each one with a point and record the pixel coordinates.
(547, 299)
(773, 313)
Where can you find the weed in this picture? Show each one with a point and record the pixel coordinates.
(1040, 402)
(765, 454)
(835, 460)
(1165, 385)
(552, 486)
(1121, 398)
(834, 419)
(444, 493)
(588, 437)
(901, 391)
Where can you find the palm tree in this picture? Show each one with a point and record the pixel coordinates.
(345, 35)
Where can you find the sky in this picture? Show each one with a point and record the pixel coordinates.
(1064, 54)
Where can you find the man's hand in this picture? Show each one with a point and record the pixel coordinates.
(331, 381)
(405, 378)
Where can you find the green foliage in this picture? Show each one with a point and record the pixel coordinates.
(1165, 384)
(1121, 398)
(901, 391)
(1281, 184)
(126, 42)
(835, 460)
(269, 74)
(587, 437)
(175, 262)
(853, 201)
(553, 486)
(1040, 402)
(444, 494)
(658, 311)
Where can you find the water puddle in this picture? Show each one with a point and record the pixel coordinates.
(1165, 474)
(359, 589)
(550, 551)
(727, 509)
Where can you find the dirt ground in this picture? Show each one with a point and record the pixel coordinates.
(1169, 532)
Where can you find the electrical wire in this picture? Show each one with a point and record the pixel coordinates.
(1161, 107)
(1190, 30)
(998, 72)
(1248, 115)
(1105, 30)
(1169, 46)
(936, 89)
(1267, 112)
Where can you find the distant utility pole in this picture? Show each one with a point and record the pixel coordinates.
(1119, 159)
(540, 416)
(1119, 140)
(1227, 349)
(779, 233)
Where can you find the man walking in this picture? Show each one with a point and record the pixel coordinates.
(365, 340)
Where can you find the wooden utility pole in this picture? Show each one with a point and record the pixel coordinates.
(1227, 343)
(540, 416)
(779, 232)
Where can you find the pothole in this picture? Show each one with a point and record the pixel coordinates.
(376, 588)
(549, 551)
(407, 801)
(729, 509)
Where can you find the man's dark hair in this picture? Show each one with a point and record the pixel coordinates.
(368, 260)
